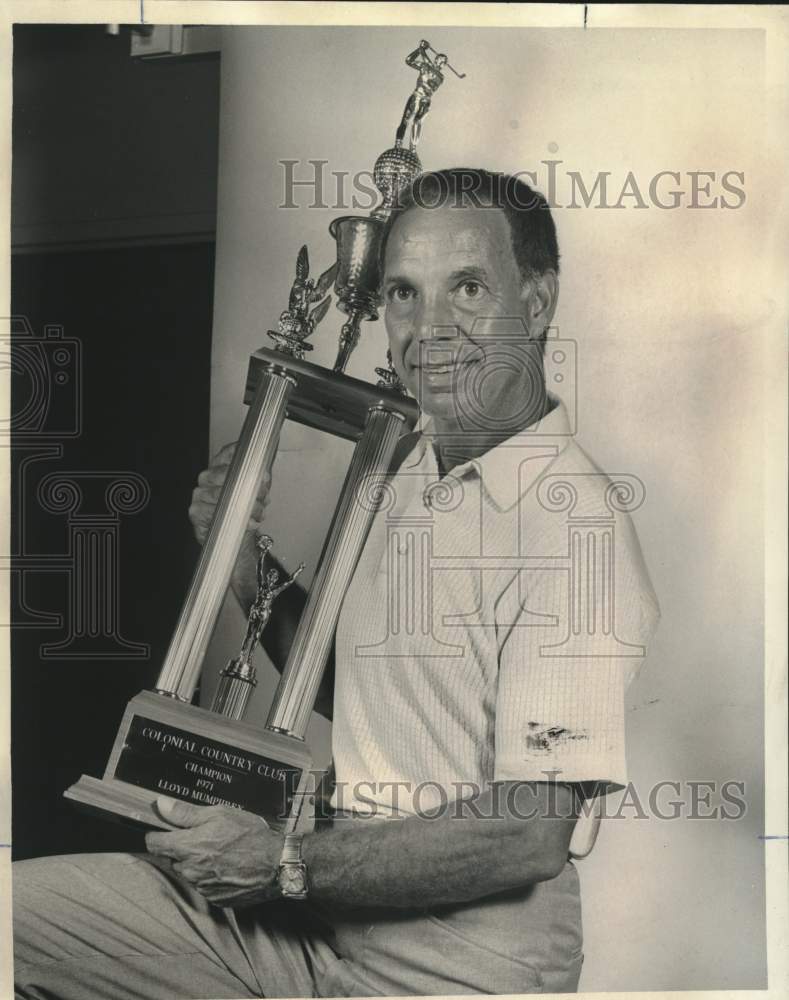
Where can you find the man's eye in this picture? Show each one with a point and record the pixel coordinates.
(471, 289)
(400, 293)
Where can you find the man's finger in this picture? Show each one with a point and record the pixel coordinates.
(259, 510)
(186, 871)
(164, 845)
(183, 813)
(206, 495)
(214, 476)
(224, 455)
(159, 861)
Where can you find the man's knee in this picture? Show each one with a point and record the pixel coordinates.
(35, 879)
(63, 873)
(48, 893)
(84, 921)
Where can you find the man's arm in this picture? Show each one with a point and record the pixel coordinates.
(513, 835)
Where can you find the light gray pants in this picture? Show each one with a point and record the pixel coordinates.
(113, 926)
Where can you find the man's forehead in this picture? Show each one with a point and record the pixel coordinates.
(448, 233)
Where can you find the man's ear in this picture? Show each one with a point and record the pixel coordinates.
(540, 293)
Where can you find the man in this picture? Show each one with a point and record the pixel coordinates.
(474, 704)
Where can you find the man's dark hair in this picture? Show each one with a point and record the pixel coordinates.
(532, 228)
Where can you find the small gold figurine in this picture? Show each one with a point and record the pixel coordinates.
(428, 81)
(260, 612)
(298, 323)
(238, 680)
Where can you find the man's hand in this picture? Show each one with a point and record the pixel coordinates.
(228, 855)
(205, 495)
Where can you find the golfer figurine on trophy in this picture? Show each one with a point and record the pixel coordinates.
(429, 80)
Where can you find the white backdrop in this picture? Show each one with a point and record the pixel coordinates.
(667, 308)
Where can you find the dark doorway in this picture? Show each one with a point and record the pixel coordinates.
(114, 186)
(137, 322)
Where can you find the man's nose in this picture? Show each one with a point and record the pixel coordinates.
(435, 322)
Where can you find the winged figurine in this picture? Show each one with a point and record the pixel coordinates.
(299, 320)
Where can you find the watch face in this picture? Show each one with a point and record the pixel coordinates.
(292, 879)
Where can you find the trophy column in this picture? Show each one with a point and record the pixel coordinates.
(301, 677)
(254, 455)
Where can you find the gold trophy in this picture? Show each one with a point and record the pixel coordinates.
(165, 744)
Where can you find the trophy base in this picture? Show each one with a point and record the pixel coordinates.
(116, 800)
(168, 748)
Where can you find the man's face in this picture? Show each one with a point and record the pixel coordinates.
(456, 305)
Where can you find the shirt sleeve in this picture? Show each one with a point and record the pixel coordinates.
(560, 706)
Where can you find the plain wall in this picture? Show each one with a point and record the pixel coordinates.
(666, 308)
(109, 148)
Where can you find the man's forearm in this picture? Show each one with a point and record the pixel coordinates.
(420, 862)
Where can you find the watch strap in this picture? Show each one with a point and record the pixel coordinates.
(292, 871)
(291, 849)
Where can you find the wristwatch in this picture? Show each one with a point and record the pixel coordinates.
(292, 871)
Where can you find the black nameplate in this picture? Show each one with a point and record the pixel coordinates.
(186, 765)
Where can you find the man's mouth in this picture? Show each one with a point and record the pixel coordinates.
(445, 377)
(439, 369)
(446, 367)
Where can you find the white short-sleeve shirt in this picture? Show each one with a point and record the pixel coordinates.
(493, 622)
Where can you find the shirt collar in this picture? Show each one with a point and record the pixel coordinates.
(512, 467)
